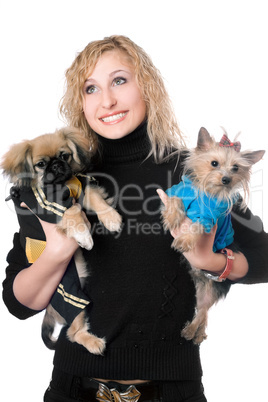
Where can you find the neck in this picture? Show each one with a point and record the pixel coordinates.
(130, 148)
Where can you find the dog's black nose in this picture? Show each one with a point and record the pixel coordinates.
(57, 171)
(57, 167)
(226, 180)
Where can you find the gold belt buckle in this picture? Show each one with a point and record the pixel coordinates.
(104, 394)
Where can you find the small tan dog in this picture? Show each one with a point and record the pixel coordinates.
(51, 160)
(214, 173)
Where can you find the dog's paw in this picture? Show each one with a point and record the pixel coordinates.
(111, 219)
(193, 333)
(95, 345)
(173, 213)
(84, 239)
(188, 331)
(199, 337)
(79, 332)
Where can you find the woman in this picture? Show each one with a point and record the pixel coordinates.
(141, 292)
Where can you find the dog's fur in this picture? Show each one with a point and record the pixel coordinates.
(53, 159)
(208, 176)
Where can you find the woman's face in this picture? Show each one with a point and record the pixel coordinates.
(113, 105)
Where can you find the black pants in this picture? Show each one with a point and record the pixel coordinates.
(66, 388)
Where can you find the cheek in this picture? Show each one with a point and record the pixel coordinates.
(141, 108)
(212, 176)
(134, 96)
(138, 99)
(208, 174)
(241, 176)
(89, 110)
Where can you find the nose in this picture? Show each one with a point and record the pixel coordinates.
(226, 180)
(108, 99)
(57, 167)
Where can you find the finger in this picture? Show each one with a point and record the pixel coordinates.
(175, 233)
(214, 230)
(163, 196)
(23, 205)
(211, 235)
(206, 240)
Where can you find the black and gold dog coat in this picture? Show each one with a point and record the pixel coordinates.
(49, 204)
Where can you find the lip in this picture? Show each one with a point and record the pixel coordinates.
(121, 116)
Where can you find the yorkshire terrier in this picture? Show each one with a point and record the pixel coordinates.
(214, 173)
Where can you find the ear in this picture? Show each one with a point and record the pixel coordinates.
(253, 157)
(17, 162)
(205, 141)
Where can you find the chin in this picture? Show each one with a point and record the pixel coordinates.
(116, 132)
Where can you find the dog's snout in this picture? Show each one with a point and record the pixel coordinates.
(57, 166)
(57, 171)
(226, 180)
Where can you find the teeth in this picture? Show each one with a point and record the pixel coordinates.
(114, 117)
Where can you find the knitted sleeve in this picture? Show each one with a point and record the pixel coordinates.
(252, 241)
(17, 261)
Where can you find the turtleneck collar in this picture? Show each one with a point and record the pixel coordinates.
(131, 148)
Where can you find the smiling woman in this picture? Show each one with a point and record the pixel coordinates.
(113, 104)
(137, 73)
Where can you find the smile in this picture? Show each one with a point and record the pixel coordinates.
(115, 118)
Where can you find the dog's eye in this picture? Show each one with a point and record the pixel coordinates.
(235, 168)
(41, 164)
(214, 163)
(64, 156)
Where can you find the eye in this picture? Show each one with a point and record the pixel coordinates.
(91, 89)
(64, 156)
(119, 81)
(214, 163)
(235, 168)
(41, 165)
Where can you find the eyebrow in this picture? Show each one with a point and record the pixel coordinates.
(118, 71)
(110, 75)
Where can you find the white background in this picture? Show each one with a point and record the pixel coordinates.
(213, 56)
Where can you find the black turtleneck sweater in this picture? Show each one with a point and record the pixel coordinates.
(141, 291)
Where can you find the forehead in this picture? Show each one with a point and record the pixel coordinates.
(226, 155)
(48, 145)
(109, 62)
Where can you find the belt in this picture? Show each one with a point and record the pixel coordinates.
(92, 390)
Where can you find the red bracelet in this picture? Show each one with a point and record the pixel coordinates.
(229, 265)
(227, 270)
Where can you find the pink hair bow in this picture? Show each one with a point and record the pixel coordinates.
(225, 142)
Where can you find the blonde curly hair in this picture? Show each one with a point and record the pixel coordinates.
(163, 130)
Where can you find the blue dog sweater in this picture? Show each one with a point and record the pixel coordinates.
(205, 209)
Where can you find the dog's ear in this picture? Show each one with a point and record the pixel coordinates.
(204, 141)
(253, 157)
(17, 163)
(79, 144)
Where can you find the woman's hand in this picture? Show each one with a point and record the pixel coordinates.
(202, 256)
